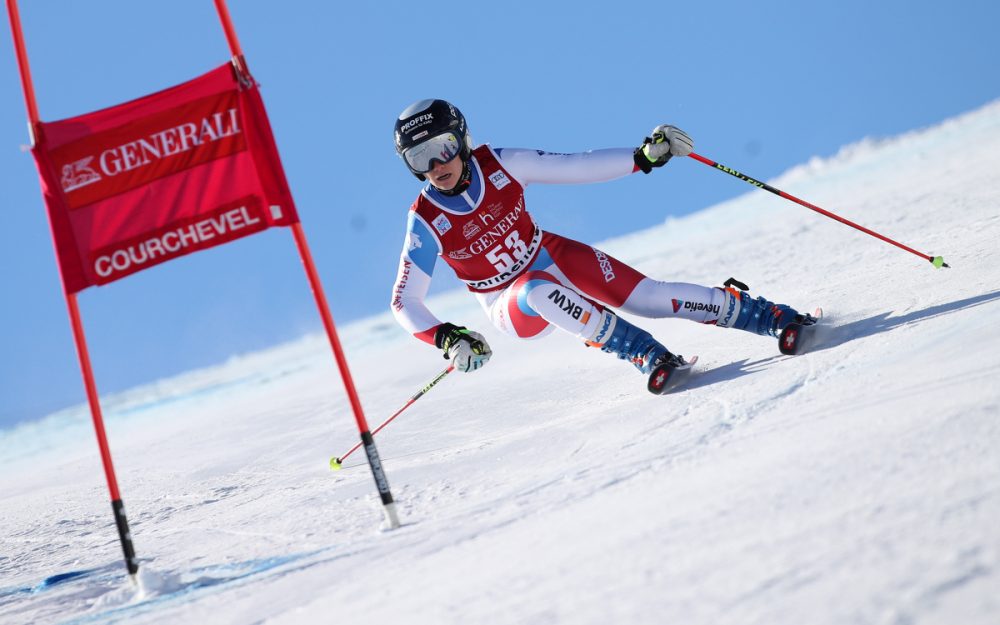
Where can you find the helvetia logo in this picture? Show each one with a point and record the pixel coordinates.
(78, 174)
(694, 306)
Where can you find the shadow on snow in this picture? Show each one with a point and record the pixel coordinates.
(884, 322)
(829, 336)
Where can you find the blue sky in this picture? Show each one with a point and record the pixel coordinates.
(760, 87)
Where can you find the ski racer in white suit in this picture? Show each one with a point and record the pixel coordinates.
(472, 215)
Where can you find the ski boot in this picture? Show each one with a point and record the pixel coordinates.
(621, 338)
(759, 316)
(640, 348)
(793, 329)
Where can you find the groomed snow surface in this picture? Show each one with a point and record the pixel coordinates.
(857, 484)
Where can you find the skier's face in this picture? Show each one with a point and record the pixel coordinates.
(445, 176)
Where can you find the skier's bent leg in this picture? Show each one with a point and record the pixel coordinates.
(539, 298)
(565, 308)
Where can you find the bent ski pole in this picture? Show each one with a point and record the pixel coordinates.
(937, 261)
(336, 461)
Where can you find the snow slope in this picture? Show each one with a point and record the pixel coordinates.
(857, 484)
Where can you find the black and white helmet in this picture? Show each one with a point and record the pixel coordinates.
(429, 131)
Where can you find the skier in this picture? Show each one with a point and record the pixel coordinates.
(472, 214)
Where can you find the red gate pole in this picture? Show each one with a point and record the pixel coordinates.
(389, 506)
(117, 506)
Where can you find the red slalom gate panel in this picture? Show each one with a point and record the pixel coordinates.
(141, 183)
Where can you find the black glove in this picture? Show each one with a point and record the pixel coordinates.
(467, 350)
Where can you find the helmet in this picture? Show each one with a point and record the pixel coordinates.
(429, 131)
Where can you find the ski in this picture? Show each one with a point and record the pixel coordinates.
(797, 336)
(668, 376)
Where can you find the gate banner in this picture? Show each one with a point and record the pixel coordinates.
(141, 183)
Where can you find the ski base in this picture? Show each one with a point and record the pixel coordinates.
(667, 377)
(797, 336)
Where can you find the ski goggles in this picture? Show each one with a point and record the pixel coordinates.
(441, 148)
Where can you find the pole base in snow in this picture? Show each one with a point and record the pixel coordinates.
(391, 517)
(125, 536)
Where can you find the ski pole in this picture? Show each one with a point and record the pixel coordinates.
(937, 261)
(336, 461)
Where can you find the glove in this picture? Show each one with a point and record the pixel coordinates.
(656, 150)
(467, 350)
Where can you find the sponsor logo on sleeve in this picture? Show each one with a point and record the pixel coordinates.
(400, 288)
(413, 242)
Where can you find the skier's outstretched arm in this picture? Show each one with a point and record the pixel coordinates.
(538, 166)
